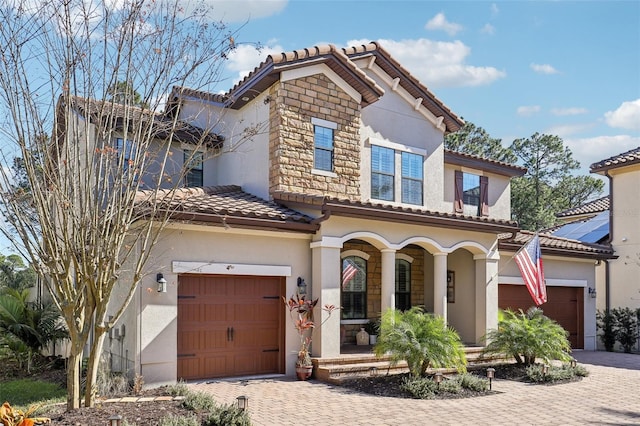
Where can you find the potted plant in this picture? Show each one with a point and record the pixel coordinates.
(373, 328)
(301, 314)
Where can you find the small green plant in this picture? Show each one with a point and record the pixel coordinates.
(372, 327)
(535, 373)
(179, 389)
(419, 387)
(626, 321)
(198, 401)
(607, 324)
(527, 336)
(427, 388)
(421, 339)
(177, 420)
(227, 415)
(473, 382)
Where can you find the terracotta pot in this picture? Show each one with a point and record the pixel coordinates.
(304, 372)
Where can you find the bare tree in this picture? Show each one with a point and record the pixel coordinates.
(92, 209)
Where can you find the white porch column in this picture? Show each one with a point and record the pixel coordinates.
(486, 293)
(440, 285)
(326, 287)
(388, 272)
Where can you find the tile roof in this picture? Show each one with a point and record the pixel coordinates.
(384, 212)
(475, 161)
(625, 159)
(592, 207)
(227, 205)
(551, 245)
(119, 114)
(341, 61)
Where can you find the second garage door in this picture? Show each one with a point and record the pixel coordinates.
(564, 305)
(229, 326)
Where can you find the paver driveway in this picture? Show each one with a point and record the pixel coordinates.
(609, 396)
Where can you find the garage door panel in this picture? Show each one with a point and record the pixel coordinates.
(564, 305)
(232, 325)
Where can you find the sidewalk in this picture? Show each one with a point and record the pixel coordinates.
(610, 395)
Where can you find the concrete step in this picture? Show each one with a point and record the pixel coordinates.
(357, 365)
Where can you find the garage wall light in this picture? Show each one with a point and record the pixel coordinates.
(162, 283)
(302, 287)
(592, 292)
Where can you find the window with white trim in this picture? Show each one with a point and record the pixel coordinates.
(323, 148)
(194, 170)
(412, 178)
(354, 288)
(382, 173)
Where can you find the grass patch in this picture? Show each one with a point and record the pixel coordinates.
(25, 392)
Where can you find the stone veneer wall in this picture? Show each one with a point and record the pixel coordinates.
(291, 144)
(374, 282)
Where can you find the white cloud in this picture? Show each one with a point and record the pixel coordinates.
(244, 10)
(494, 9)
(246, 57)
(488, 29)
(592, 150)
(564, 130)
(437, 63)
(627, 116)
(528, 110)
(439, 22)
(544, 69)
(568, 111)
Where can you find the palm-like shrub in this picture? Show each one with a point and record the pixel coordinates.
(527, 336)
(421, 339)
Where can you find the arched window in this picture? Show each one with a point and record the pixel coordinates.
(354, 288)
(403, 285)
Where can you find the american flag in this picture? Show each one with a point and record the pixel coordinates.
(349, 270)
(529, 261)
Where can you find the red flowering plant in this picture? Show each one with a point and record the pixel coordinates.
(301, 313)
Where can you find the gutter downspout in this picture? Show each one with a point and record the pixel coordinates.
(607, 265)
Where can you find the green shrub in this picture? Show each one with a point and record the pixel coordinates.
(227, 415)
(607, 324)
(179, 389)
(176, 420)
(419, 387)
(422, 340)
(527, 336)
(473, 382)
(626, 332)
(449, 386)
(198, 401)
(554, 374)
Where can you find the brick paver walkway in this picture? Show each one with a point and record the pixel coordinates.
(609, 396)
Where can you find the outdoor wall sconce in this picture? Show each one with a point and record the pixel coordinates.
(491, 372)
(438, 378)
(243, 402)
(115, 420)
(302, 286)
(592, 292)
(162, 283)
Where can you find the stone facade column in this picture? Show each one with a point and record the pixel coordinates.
(388, 276)
(440, 285)
(326, 287)
(486, 293)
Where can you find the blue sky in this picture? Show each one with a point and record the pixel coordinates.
(570, 69)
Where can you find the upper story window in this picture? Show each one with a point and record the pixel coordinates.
(403, 285)
(472, 195)
(193, 161)
(412, 177)
(126, 152)
(323, 136)
(354, 288)
(382, 173)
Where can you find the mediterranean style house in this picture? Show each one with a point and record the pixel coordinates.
(343, 192)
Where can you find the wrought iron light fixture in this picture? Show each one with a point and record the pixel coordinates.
(162, 283)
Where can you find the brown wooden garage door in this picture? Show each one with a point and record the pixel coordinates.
(229, 326)
(564, 305)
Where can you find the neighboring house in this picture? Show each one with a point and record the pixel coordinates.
(620, 287)
(345, 171)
